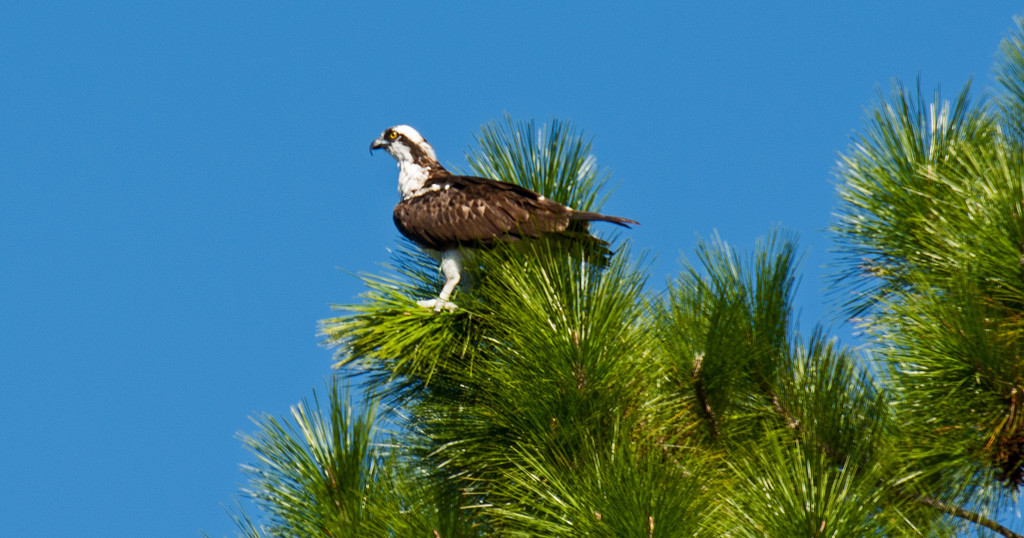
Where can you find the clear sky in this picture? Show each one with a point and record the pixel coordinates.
(185, 187)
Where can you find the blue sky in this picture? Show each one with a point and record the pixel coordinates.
(186, 187)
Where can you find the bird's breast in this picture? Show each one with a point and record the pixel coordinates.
(411, 178)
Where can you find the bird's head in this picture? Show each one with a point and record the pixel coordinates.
(406, 145)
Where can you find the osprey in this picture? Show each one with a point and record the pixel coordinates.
(442, 212)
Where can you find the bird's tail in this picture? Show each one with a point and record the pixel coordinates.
(587, 216)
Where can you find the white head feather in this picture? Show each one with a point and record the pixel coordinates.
(415, 137)
(412, 175)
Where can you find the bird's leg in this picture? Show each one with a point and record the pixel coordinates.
(451, 266)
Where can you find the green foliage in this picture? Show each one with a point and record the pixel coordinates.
(932, 212)
(559, 366)
(727, 330)
(312, 471)
(1009, 72)
(555, 163)
(401, 345)
(892, 201)
(328, 472)
(566, 398)
(784, 489)
(626, 488)
(932, 225)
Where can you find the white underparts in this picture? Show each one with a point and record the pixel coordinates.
(411, 178)
(451, 266)
(424, 190)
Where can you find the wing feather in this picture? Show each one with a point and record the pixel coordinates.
(463, 210)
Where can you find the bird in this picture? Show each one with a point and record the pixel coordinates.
(444, 213)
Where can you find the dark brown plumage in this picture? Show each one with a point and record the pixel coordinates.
(471, 211)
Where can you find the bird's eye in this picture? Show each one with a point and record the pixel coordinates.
(392, 135)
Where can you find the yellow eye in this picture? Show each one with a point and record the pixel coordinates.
(392, 135)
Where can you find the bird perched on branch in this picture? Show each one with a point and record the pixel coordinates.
(444, 213)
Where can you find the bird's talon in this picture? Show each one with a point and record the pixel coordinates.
(438, 305)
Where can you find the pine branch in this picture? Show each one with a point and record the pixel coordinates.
(963, 513)
(702, 398)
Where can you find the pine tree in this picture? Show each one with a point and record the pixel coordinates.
(932, 231)
(568, 397)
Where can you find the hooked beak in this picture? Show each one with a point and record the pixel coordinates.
(377, 144)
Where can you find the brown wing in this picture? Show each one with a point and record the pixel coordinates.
(462, 210)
